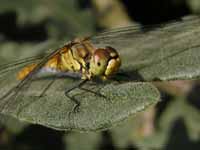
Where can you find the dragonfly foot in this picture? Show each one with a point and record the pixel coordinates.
(76, 108)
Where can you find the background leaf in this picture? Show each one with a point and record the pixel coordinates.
(62, 18)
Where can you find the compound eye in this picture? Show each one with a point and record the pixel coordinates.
(98, 64)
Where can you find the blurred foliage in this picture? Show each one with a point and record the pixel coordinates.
(63, 19)
(194, 5)
(176, 120)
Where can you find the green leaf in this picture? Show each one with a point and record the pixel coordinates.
(55, 110)
(95, 112)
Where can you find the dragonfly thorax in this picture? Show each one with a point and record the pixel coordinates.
(90, 61)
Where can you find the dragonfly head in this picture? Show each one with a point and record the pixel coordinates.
(104, 62)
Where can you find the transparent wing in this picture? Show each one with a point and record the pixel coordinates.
(13, 91)
(144, 46)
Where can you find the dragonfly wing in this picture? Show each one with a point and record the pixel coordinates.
(145, 46)
(13, 89)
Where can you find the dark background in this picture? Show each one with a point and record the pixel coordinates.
(22, 23)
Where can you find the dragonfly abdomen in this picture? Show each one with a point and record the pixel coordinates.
(51, 65)
(71, 58)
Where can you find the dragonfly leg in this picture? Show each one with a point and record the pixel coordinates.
(76, 86)
(77, 103)
(96, 93)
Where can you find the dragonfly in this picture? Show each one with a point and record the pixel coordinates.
(99, 56)
(79, 56)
